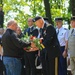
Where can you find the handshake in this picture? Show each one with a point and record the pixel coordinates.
(33, 47)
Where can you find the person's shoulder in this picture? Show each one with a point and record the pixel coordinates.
(25, 30)
(35, 30)
(12, 34)
(7, 33)
(50, 26)
(65, 28)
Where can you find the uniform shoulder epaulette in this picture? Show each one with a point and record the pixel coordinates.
(65, 29)
(48, 25)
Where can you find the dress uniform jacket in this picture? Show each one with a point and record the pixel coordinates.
(31, 31)
(30, 56)
(51, 51)
(51, 42)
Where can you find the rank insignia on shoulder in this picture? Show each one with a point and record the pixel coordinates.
(65, 29)
(48, 25)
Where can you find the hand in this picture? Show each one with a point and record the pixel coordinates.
(26, 48)
(64, 54)
(33, 49)
(33, 45)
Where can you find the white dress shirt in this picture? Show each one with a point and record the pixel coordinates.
(62, 36)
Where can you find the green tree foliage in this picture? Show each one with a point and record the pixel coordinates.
(37, 8)
(59, 8)
(15, 9)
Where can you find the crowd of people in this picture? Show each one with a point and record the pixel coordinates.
(57, 43)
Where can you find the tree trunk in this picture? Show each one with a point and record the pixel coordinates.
(48, 10)
(1, 3)
(72, 5)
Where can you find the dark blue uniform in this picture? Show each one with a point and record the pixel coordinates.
(50, 52)
(62, 37)
(30, 56)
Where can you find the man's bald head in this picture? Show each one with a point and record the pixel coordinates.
(12, 24)
(30, 22)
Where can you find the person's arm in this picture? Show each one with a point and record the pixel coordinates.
(66, 45)
(19, 43)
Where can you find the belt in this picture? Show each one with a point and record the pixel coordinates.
(12, 56)
(62, 46)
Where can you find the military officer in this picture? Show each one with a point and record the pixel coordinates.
(30, 56)
(62, 34)
(50, 45)
(71, 45)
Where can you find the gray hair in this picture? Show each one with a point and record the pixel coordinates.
(11, 22)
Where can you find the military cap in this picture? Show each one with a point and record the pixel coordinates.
(58, 19)
(46, 18)
(73, 18)
(36, 18)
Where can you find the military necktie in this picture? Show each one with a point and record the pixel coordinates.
(72, 31)
(40, 32)
(28, 29)
(58, 32)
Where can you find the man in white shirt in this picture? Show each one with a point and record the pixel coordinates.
(62, 34)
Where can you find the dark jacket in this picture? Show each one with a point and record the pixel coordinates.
(31, 31)
(11, 43)
(50, 42)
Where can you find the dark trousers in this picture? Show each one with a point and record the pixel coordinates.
(44, 62)
(30, 63)
(1, 67)
(23, 67)
(49, 66)
(62, 63)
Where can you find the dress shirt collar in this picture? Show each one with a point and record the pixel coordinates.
(74, 29)
(31, 26)
(60, 28)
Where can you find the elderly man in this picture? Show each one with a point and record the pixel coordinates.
(11, 44)
(50, 45)
(71, 45)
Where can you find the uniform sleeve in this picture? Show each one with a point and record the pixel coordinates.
(17, 42)
(49, 36)
(66, 35)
